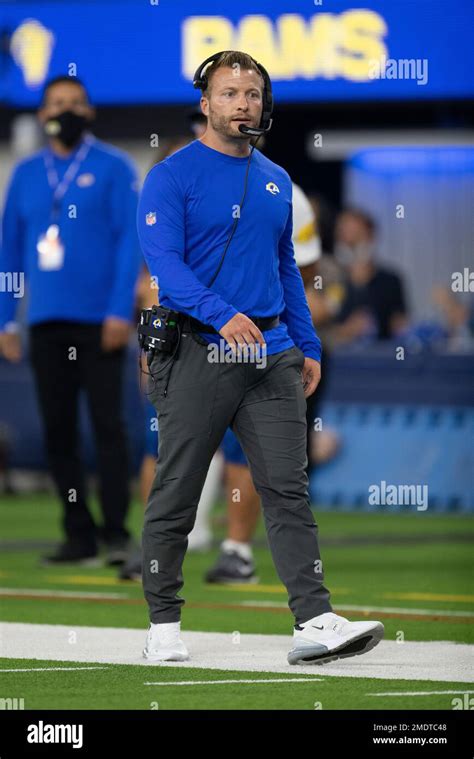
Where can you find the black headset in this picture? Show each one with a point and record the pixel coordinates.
(200, 83)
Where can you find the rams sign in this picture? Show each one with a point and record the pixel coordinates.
(315, 50)
(326, 45)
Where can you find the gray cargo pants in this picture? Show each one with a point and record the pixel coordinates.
(266, 409)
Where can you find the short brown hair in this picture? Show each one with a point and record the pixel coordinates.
(363, 216)
(229, 59)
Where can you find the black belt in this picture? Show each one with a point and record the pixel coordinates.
(262, 322)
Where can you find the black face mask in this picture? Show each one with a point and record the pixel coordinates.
(68, 127)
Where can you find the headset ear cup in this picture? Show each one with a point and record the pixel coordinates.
(200, 79)
(267, 111)
(266, 120)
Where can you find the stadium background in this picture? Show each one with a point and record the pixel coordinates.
(384, 142)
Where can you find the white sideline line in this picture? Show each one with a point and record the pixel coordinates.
(229, 682)
(386, 609)
(51, 669)
(421, 693)
(59, 593)
(435, 661)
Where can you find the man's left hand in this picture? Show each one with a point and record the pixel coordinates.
(311, 374)
(115, 333)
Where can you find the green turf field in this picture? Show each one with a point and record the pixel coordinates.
(413, 572)
(123, 687)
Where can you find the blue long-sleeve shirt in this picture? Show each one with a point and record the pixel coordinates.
(97, 224)
(185, 213)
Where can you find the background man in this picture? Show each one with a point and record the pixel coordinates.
(373, 303)
(69, 225)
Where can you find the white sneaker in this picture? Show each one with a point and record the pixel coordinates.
(163, 643)
(328, 637)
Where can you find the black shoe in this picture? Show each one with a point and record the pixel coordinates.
(118, 551)
(69, 553)
(230, 567)
(132, 569)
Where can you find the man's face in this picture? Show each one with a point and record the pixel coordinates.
(234, 97)
(354, 244)
(65, 96)
(350, 230)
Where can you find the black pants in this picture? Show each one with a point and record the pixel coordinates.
(266, 409)
(67, 357)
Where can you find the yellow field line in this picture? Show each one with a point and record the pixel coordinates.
(250, 588)
(237, 587)
(98, 580)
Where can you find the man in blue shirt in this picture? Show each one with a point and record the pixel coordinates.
(69, 226)
(192, 204)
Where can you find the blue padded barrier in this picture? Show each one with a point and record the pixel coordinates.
(400, 445)
(382, 438)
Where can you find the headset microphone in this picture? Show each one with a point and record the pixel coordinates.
(255, 131)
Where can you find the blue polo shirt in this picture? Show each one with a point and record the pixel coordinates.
(185, 214)
(97, 225)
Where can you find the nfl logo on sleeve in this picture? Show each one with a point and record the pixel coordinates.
(151, 218)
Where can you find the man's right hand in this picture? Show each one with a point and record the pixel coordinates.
(241, 331)
(10, 346)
